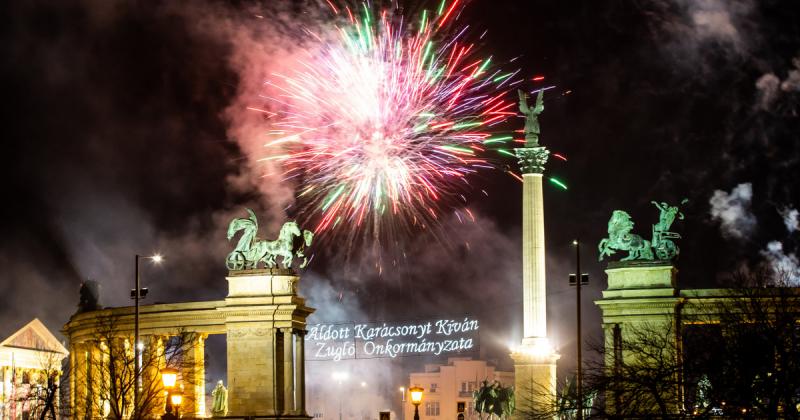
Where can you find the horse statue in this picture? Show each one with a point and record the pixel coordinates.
(308, 236)
(660, 246)
(621, 238)
(250, 250)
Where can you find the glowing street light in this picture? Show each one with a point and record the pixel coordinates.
(168, 377)
(136, 294)
(176, 400)
(340, 377)
(416, 399)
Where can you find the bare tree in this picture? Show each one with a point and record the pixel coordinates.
(642, 376)
(110, 378)
(754, 361)
(536, 402)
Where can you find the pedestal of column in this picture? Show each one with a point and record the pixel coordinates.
(262, 315)
(534, 381)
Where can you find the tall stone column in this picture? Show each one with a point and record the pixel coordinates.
(535, 359)
(288, 371)
(79, 380)
(300, 373)
(72, 382)
(195, 374)
(153, 361)
(534, 290)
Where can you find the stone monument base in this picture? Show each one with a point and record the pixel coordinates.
(534, 377)
(265, 326)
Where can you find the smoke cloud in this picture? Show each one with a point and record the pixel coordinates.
(791, 218)
(715, 20)
(770, 88)
(785, 267)
(733, 211)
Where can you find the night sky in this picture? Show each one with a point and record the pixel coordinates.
(123, 133)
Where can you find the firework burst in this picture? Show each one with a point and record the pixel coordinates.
(385, 120)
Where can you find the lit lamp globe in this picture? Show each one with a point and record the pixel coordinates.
(416, 399)
(176, 399)
(168, 377)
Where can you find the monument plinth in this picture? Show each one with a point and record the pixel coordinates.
(535, 358)
(265, 326)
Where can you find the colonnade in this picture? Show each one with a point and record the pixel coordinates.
(263, 319)
(102, 374)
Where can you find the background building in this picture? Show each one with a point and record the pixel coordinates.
(27, 358)
(447, 385)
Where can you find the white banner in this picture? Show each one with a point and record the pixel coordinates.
(387, 339)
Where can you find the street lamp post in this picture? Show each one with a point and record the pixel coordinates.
(169, 377)
(403, 402)
(579, 279)
(416, 399)
(340, 377)
(176, 399)
(136, 294)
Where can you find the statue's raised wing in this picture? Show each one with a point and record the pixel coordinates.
(523, 102)
(539, 103)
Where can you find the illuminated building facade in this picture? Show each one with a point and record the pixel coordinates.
(27, 358)
(447, 385)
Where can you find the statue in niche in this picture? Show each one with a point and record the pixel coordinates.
(220, 397)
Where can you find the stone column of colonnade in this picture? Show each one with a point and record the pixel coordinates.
(287, 368)
(77, 369)
(71, 376)
(85, 392)
(153, 361)
(299, 372)
(194, 375)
